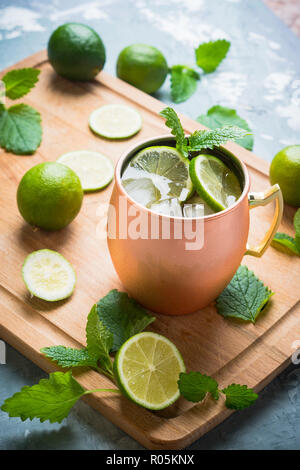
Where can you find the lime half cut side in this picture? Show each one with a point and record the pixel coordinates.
(215, 183)
(115, 121)
(48, 275)
(94, 170)
(147, 369)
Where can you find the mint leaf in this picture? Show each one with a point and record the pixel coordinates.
(183, 82)
(19, 82)
(99, 340)
(49, 399)
(201, 139)
(173, 122)
(218, 116)
(244, 297)
(20, 129)
(239, 396)
(122, 316)
(194, 386)
(210, 54)
(285, 243)
(297, 229)
(69, 357)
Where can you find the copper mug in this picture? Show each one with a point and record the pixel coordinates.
(160, 272)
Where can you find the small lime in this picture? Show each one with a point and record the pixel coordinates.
(49, 195)
(285, 170)
(142, 66)
(76, 51)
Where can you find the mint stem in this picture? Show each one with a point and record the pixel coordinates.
(113, 390)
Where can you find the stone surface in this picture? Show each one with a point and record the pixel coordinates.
(261, 79)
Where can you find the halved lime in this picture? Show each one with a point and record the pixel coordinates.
(115, 121)
(94, 170)
(214, 182)
(48, 275)
(147, 369)
(158, 173)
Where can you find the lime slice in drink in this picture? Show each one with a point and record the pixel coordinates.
(115, 121)
(94, 170)
(165, 168)
(214, 182)
(48, 275)
(147, 369)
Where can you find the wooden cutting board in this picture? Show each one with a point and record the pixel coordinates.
(228, 350)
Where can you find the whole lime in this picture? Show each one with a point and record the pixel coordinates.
(76, 51)
(142, 66)
(49, 195)
(285, 170)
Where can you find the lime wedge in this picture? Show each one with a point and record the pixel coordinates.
(115, 121)
(156, 174)
(94, 170)
(214, 182)
(48, 275)
(147, 369)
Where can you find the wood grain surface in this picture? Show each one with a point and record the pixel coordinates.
(228, 350)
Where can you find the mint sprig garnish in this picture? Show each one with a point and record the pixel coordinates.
(287, 244)
(51, 399)
(244, 297)
(20, 125)
(194, 387)
(209, 55)
(183, 82)
(173, 122)
(19, 82)
(218, 116)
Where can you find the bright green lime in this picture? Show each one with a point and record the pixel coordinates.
(147, 369)
(49, 195)
(214, 182)
(285, 170)
(76, 51)
(142, 66)
(156, 174)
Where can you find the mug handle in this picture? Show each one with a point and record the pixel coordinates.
(261, 199)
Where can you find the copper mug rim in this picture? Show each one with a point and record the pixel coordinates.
(167, 137)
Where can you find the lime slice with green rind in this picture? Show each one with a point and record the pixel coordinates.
(115, 121)
(158, 173)
(94, 170)
(147, 369)
(215, 183)
(48, 275)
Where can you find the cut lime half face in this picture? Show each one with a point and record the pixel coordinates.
(115, 121)
(214, 182)
(147, 369)
(94, 170)
(156, 174)
(48, 275)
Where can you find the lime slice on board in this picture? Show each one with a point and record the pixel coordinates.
(94, 170)
(156, 174)
(214, 182)
(147, 369)
(115, 121)
(48, 275)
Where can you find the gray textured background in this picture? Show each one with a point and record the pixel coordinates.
(261, 79)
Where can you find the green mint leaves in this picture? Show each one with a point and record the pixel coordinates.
(20, 125)
(218, 116)
(20, 129)
(173, 122)
(50, 399)
(19, 82)
(286, 243)
(201, 139)
(209, 55)
(122, 316)
(244, 297)
(183, 82)
(195, 386)
(69, 357)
